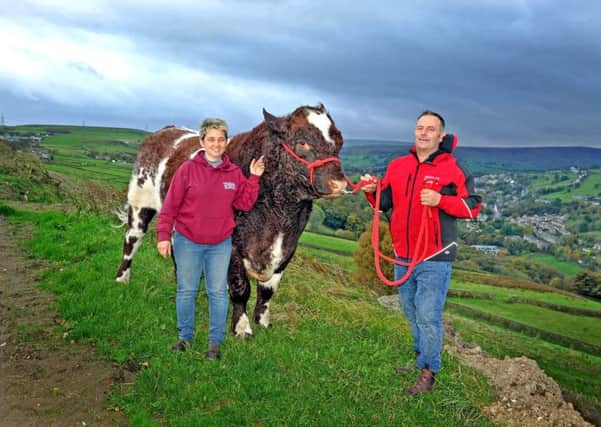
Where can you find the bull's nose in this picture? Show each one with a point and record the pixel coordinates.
(337, 186)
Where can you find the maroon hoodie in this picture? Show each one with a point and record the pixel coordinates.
(201, 199)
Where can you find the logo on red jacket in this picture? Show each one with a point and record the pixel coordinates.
(431, 182)
(229, 185)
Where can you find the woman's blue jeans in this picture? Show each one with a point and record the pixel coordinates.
(423, 297)
(191, 260)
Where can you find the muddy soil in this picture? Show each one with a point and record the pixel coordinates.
(526, 396)
(46, 379)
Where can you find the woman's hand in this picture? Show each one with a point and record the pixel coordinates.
(257, 166)
(164, 248)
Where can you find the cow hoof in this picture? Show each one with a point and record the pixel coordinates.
(263, 319)
(242, 328)
(244, 336)
(123, 279)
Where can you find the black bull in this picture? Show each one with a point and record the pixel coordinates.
(266, 237)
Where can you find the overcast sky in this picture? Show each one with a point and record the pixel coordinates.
(502, 72)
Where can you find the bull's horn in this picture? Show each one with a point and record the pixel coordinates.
(269, 118)
(274, 123)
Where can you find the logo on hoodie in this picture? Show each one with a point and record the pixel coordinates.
(229, 185)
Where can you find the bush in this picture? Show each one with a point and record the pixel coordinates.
(365, 271)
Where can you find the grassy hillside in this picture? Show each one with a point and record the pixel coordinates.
(97, 153)
(509, 317)
(566, 185)
(328, 360)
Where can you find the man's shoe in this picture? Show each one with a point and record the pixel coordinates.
(424, 384)
(213, 353)
(181, 345)
(406, 369)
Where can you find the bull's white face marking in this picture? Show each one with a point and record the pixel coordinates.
(243, 326)
(276, 257)
(321, 122)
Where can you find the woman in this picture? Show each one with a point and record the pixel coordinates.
(198, 215)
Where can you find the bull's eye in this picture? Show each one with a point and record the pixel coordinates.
(303, 145)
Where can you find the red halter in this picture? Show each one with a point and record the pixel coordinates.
(311, 165)
(422, 237)
(317, 163)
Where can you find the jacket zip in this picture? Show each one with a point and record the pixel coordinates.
(410, 206)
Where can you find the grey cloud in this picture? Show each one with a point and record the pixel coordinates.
(503, 72)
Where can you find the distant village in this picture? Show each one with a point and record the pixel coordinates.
(505, 193)
(26, 142)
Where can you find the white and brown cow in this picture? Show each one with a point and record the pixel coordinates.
(266, 237)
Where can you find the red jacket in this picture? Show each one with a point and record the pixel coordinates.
(401, 185)
(201, 199)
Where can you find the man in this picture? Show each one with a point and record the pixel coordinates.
(429, 177)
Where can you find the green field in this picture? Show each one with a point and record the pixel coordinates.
(73, 147)
(583, 328)
(104, 171)
(589, 185)
(331, 243)
(328, 258)
(504, 294)
(568, 268)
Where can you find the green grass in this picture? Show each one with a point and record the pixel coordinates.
(583, 328)
(70, 146)
(343, 246)
(591, 185)
(329, 258)
(568, 268)
(327, 361)
(502, 294)
(98, 170)
(14, 187)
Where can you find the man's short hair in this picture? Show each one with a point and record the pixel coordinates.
(212, 123)
(432, 113)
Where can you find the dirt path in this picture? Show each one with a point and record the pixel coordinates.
(45, 379)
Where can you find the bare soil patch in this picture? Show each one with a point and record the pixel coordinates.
(46, 379)
(526, 395)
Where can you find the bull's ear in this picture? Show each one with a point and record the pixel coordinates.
(274, 123)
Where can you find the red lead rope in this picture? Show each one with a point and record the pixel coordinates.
(420, 246)
(422, 237)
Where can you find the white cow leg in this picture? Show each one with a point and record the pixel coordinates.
(137, 224)
(265, 291)
(242, 327)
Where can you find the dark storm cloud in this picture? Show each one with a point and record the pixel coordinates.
(502, 72)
